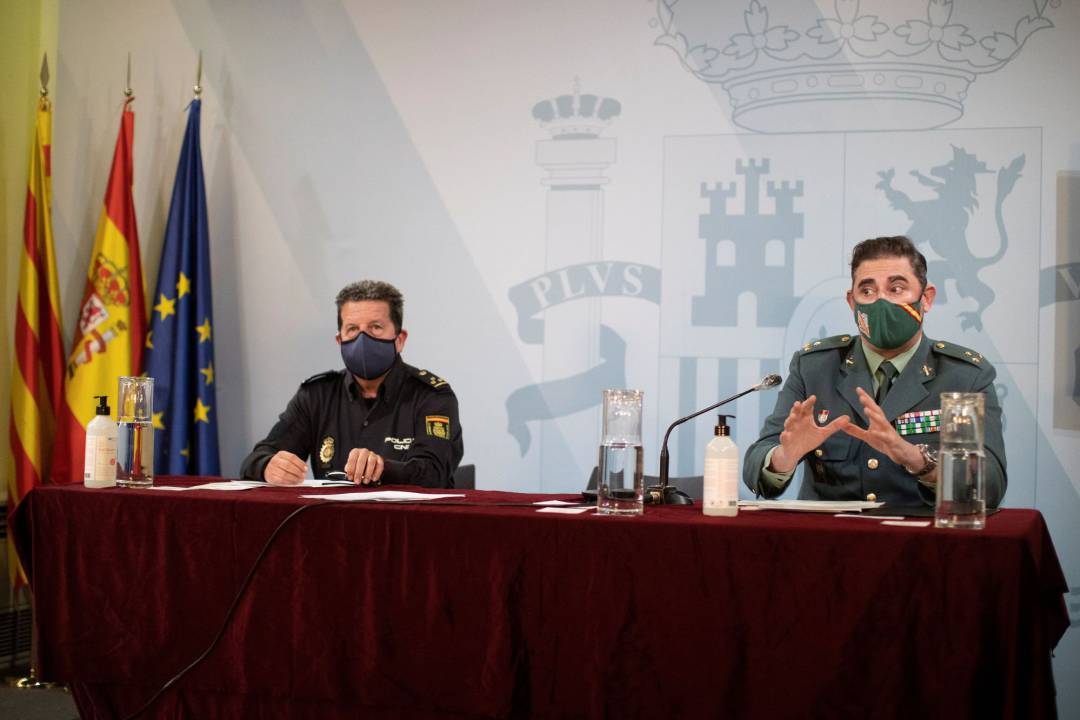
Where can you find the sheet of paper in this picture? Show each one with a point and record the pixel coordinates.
(384, 496)
(313, 482)
(556, 503)
(229, 485)
(869, 517)
(225, 485)
(818, 506)
(907, 523)
(565, 510)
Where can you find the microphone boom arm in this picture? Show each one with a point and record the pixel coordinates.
(768, 382)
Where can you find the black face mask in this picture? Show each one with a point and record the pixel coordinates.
(368, 357)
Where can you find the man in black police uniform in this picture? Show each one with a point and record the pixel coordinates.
(861, 411)
(378, 421)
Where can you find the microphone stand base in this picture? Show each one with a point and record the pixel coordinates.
(666, 495)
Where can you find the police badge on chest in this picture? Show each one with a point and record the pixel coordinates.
(326, 450)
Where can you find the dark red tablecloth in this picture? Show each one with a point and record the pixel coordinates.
(408, 611)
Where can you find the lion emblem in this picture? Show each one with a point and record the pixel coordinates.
(941, 223)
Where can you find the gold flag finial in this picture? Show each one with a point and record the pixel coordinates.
(198, 78)
(45, 75)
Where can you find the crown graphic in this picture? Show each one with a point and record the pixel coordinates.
(576, 116)
(861, 65)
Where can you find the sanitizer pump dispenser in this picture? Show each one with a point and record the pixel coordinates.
(721, 491)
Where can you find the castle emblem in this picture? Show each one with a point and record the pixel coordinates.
(751, 252)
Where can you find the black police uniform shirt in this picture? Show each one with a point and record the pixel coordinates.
(844, 468)
(412, 423)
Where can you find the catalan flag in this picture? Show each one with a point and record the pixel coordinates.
(180, 345)
(112, 319)
(38, 371)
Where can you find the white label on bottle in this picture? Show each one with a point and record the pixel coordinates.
(99, 462)
(721, 482)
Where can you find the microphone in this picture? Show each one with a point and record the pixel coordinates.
(664, 494)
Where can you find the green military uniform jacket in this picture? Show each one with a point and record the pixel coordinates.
(844, 468)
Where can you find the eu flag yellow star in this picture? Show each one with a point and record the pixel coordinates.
(203, 330)
(202, 412)
(183, 286)
(185, 453)
(157, 422)
(165, 307)
(149, 339)
(208, 373)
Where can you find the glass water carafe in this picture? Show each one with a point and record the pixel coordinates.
(620, 484)
(961, 488)
(135, 442)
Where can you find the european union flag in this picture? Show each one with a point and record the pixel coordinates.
(180, 344)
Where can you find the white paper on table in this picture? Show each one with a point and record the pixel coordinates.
(556, 503)
(818, 506)
(322, 482)
(869, 517)
(565, 510)
(228, 485)
(384, 496)
(907, 523)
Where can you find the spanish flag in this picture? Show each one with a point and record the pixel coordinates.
(38, 374)
(112, 318)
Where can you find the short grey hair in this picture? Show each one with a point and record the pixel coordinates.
(373, 290)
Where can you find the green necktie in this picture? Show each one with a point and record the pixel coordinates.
(888, 372)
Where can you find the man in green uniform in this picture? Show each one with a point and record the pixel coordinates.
(860, 411)
(379, 420)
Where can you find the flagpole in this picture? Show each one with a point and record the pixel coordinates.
(198, 79)
(31, 682)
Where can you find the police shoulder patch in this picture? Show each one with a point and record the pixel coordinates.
(829, 343)
(959, 352)
(329, 374)
(437, 426)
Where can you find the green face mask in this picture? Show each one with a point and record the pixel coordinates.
(887, 325)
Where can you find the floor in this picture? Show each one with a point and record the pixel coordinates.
(36, 704)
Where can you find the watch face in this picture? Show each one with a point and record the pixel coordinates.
(930, 456)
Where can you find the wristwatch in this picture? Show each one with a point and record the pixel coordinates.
(930, 458)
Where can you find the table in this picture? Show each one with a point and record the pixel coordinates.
(489, 610)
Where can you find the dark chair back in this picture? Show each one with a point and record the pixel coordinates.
(465, 477)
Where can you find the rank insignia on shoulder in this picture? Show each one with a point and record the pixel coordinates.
(919, 421)
(829, 343)
(438, 426)
(326, 450)
(431, 379)
(959, 352)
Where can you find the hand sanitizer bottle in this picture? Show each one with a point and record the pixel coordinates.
(99, 462)
(721, 491)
